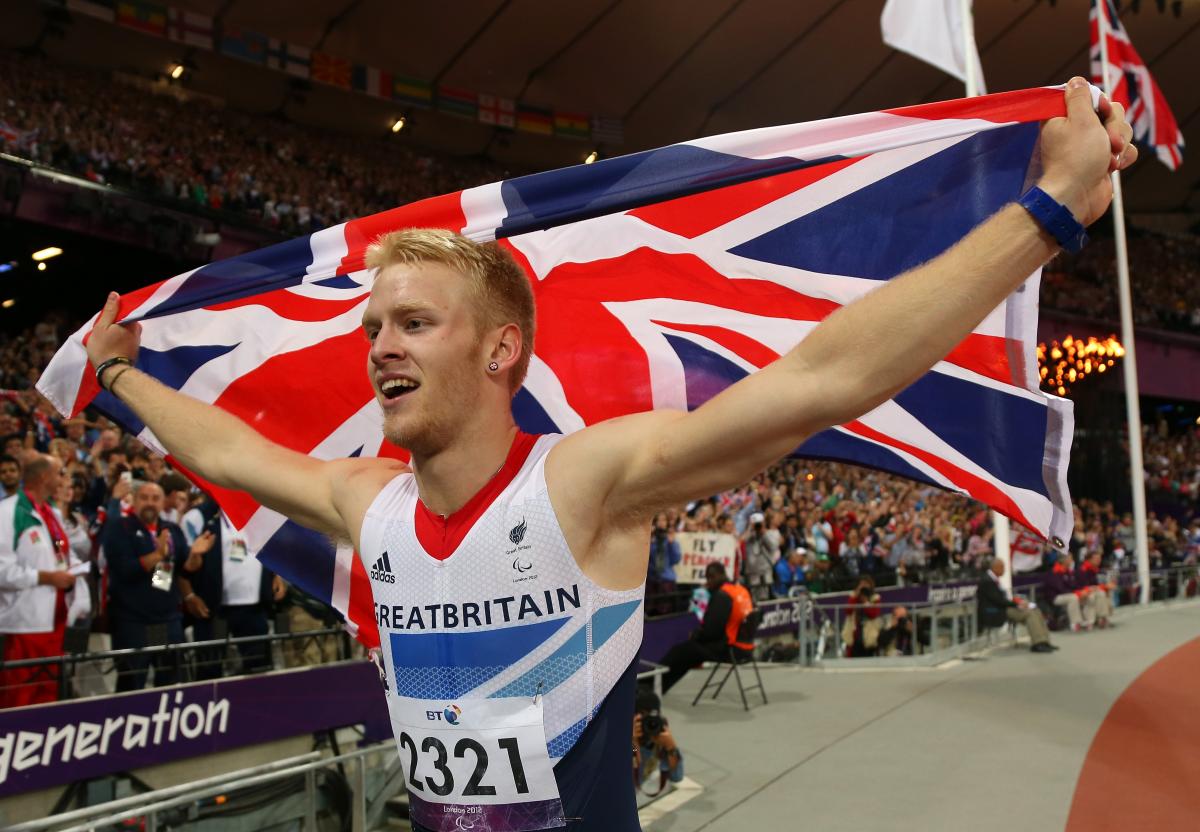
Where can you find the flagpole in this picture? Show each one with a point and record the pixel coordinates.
(1000, 527)
(1133, 414)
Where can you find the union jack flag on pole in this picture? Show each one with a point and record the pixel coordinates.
(661, 278)
(1118, 68)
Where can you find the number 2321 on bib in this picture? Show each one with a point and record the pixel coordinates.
(476, 764)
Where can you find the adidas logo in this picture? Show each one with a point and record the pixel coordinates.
(382, 570)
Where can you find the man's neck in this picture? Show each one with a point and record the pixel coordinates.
(37, 495)
(448, 479)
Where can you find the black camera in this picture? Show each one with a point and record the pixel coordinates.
(653, 724)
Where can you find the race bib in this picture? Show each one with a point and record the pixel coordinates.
(476, 764)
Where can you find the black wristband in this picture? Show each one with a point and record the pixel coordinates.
(105, 365)
(112, 384)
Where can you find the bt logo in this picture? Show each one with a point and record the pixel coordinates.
(451, 714)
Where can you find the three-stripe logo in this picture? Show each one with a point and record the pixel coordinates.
(382, 570)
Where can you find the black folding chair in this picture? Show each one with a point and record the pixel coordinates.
(734, 657)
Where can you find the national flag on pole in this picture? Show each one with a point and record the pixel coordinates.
(144, 17)
(190, 28)
(607, 130)
(330, 69)
(372, 81)
(677, 271)
(248, 46)
(412, 91)
(1130, 83)
(497, 111)
(935, 32)
(532, 119)
(574, 125)
(457, 102)
(289, 57)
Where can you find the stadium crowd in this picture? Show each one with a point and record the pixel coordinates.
(298, 179)
(1166, 286)
(272, 172)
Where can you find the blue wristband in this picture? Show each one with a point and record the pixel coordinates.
(1056, 218)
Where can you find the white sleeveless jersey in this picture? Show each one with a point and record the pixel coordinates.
(507, 612)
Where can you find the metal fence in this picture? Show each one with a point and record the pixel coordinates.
(170, 807)
(941, 629)
(181, 662)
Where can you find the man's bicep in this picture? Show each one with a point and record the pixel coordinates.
(669, 458)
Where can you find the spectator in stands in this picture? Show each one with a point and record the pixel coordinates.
(1062, 589)
(144, 554)
(39, 596)
(789, 572)
(177, 496)
(995, 609)
(728, 606)
(861, 627)
(664, 556)
(223, 579)
(10, 474)
(1096, 592)
(654, 745)
(759, 553)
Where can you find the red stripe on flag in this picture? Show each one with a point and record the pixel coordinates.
(436, 212)
(1019, 106)
(361, 604)
(691, 216)
(977, 487)
(752, 351)
(294, 307)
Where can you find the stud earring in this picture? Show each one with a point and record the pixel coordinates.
(493, 366)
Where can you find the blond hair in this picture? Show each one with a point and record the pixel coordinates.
(500, 289)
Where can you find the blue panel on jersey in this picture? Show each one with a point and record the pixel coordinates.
(705, 373)
(572, 655)
(545, 200)
(903, 220)
(275, 267)
(449, 665)
(530, 416)
(560, 745)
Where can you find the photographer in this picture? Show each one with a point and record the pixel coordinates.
(860, 632)
(761, 550)
(653, 743)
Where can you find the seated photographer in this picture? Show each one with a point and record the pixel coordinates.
(653, 743)
(728, 606)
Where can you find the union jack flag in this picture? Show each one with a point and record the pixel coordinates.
(1131, 84)
(661, 277)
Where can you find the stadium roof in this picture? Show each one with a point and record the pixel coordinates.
(671, 69)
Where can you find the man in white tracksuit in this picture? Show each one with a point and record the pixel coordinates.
(38, 593)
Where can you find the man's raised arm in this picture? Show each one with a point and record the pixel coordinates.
(217, 445)
(864, 353)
